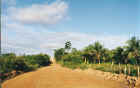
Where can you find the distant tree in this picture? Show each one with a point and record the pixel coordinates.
(74, 51)
(9, 55)
(68, 45)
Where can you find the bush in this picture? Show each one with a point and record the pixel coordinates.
(21, 65)
(72, 61)
(83, 66)
(58, 54)
(40, 59)
(6, 65)
(11, 62)
(75, 59)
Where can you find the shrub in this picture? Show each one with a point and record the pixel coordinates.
(20, 65)
(10, 62)
(59, 53)
(83, 66)
(75, 59)
(6, 65)
(72, 61)
(40, 59)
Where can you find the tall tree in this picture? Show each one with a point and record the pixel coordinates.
(88, 56)
(120, 55)
(68, 45)
(95, 51)
(105, 54)
(98, 50)
(134, 48)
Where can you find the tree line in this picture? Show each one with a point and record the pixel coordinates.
(97, 53)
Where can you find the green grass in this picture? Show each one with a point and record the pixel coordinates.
(73, 65)
(106, 67)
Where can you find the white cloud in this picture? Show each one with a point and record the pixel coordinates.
(45, 14)
(25, 39)
(80, 40)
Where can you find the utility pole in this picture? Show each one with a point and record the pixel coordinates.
(0, 27)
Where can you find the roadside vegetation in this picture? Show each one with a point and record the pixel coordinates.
(125, 59)
(12, 65)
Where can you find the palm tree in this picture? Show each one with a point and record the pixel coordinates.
(105, 54)
(88, 54)
(125, 54)
(121, 55)
(89, 48)
(118, 55)
(94, 51)
(134, 48)
(111, 56)
(98, 48)
(85, 56)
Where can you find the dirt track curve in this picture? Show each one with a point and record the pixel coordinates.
(55, 76)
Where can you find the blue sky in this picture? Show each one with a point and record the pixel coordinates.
(43, 25)
(112, 16)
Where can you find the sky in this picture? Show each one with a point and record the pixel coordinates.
(40, 26)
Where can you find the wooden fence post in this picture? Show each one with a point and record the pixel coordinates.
(119, 68)
(112, 67)
(129, 70)
(138, 72)
(125, 70)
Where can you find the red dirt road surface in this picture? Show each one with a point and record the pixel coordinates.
(55, 76)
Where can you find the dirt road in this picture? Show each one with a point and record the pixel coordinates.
(55, 76)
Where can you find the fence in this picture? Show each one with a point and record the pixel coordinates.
(131, 70)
